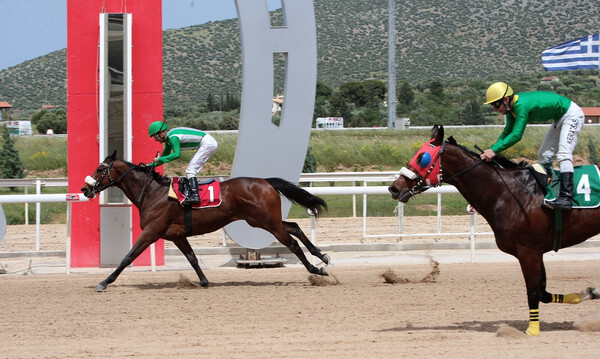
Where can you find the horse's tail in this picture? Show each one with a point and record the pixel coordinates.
(298, 195)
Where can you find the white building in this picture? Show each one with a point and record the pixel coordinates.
(330, 123)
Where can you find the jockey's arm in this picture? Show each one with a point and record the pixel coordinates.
(171, 152)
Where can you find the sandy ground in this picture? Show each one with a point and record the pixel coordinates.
(465, 310)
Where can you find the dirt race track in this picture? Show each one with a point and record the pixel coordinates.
(466, 310)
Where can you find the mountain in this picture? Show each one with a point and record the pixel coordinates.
(434, 40)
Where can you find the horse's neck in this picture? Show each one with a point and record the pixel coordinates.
(133, 184)
(475, 185)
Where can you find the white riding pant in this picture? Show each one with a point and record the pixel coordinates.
(561, 139)
(207, 148)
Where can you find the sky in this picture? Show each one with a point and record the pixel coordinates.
(33, 28)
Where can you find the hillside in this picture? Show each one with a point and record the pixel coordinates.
(435, 40)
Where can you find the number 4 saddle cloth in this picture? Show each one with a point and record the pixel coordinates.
(586, 186)
(209, 192)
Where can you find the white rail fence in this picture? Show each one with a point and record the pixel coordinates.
(360, 186)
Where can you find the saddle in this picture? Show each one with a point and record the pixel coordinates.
(209, 192)
(586, 184)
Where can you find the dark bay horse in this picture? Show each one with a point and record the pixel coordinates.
(255, 200)
(510, 200)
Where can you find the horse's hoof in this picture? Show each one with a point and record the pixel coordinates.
(204, 284)
(593, 293)
(100, 288)
(326, 258)
(323, 272)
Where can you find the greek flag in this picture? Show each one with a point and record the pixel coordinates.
(572, 55)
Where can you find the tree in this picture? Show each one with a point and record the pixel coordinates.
(229, 122)
(472, 114)
(340, 107)
(210, 102)
(10, 162)
(323, 90)
(376, 91)
(55, 121)
(310, 162)
(405, 94)
(436, 88)
(355, 92)
(36, 117)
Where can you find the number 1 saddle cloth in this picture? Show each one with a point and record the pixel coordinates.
(209, 192)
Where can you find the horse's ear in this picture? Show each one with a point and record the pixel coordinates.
(114, 155)
(437, 134)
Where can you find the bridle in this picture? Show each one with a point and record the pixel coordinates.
(95, 184)
(421, 186)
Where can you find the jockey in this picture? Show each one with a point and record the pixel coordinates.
(539, 107)
(181, 139)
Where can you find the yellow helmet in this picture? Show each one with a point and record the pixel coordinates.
(497, 91)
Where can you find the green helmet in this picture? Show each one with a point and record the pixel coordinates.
(156, 127)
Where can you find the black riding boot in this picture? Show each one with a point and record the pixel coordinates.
(565, 199)
(193, 196)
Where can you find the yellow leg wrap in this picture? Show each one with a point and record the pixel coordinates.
(534, 323)
(571, 298)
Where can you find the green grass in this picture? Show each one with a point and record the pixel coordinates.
(50, 212)
(43, 153)
(385, 206)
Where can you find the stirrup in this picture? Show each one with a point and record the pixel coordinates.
(547, 204)
(562, 203)
(191, 200)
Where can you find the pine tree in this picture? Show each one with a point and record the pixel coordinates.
(10, 162)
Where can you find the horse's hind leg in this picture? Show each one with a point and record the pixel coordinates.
(571, 298)
(284, 238)
(184, 246)
(293, 229)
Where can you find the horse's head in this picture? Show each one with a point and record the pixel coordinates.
(103, 177)
(423, 170)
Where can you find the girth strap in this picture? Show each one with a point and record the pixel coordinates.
(187, 215)
(557, 243)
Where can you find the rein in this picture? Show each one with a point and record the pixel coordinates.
(510, 174)
(464, 171)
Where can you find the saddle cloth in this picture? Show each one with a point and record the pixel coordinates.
(586, 187)
(209, 192)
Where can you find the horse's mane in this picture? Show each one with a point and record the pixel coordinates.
(162, 180)
(502, 161)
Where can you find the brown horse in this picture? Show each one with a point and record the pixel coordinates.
(255, 200)
(510, 200)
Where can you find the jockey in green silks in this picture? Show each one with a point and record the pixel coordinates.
(540, 107)
(181, 139)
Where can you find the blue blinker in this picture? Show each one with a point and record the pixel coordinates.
(425, 160)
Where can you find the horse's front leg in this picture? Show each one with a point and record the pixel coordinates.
(143, 241)
(184, 246)
(532, 267)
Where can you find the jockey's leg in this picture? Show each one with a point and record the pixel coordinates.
(207, 148)
(193, 197)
